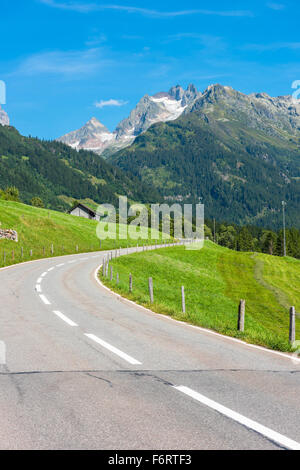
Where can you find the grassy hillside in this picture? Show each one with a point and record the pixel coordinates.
(38, 229)
(56, 173)
(215, 280)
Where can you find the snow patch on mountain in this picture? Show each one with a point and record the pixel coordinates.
(171, 109)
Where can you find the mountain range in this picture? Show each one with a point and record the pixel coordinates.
(161, 107)
(239, 154)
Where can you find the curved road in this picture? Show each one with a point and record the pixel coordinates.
(87, 371)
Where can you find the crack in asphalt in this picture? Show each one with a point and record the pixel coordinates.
(146, 372)
(100, 378)
(153, 376)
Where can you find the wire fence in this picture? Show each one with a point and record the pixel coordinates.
(108, 273)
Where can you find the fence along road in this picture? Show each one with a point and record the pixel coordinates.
(87, 371)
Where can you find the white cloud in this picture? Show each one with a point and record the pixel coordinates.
(66, 63)
(102, 104)
(91, 7)
(96, 40)
(275, 46)
(206, 40)
(276, 6)
(80, 7)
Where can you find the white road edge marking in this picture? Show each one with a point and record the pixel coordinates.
(44, 274)
(50, 269)
(39, 280)
(12, 266)
(74, 261)
(59, 265)
(204, 330)
(64, 318)
(38, 288)
(45, 300)
(249, 423)
(114, 350)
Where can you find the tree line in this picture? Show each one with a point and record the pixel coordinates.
(256, 239)
(245, 238)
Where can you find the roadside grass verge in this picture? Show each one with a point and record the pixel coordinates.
(215, 279)
(39, 229)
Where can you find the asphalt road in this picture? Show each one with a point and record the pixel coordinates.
(87, 371)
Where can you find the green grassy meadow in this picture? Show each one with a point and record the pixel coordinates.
(215, 279)
(38, 229)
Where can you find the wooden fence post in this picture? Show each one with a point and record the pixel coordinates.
(130, 282)
(52, 249)
(183, 299)
(292, 325)
(241, 318)
(151, 290)
(103, 268)
(111, 273)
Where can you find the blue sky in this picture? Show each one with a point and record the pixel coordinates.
(65, 61)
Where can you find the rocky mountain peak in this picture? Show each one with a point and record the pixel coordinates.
(190, 95)
(92, 136)
(177, 92)
(95, 122)
(4, 119)
(258, 111)
(96, 125)
(192, 89)
(218, 90)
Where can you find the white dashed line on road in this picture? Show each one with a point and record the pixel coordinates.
(114, 350)
(45, 300)
(249, 423)
(64, 318)
(70, 322)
